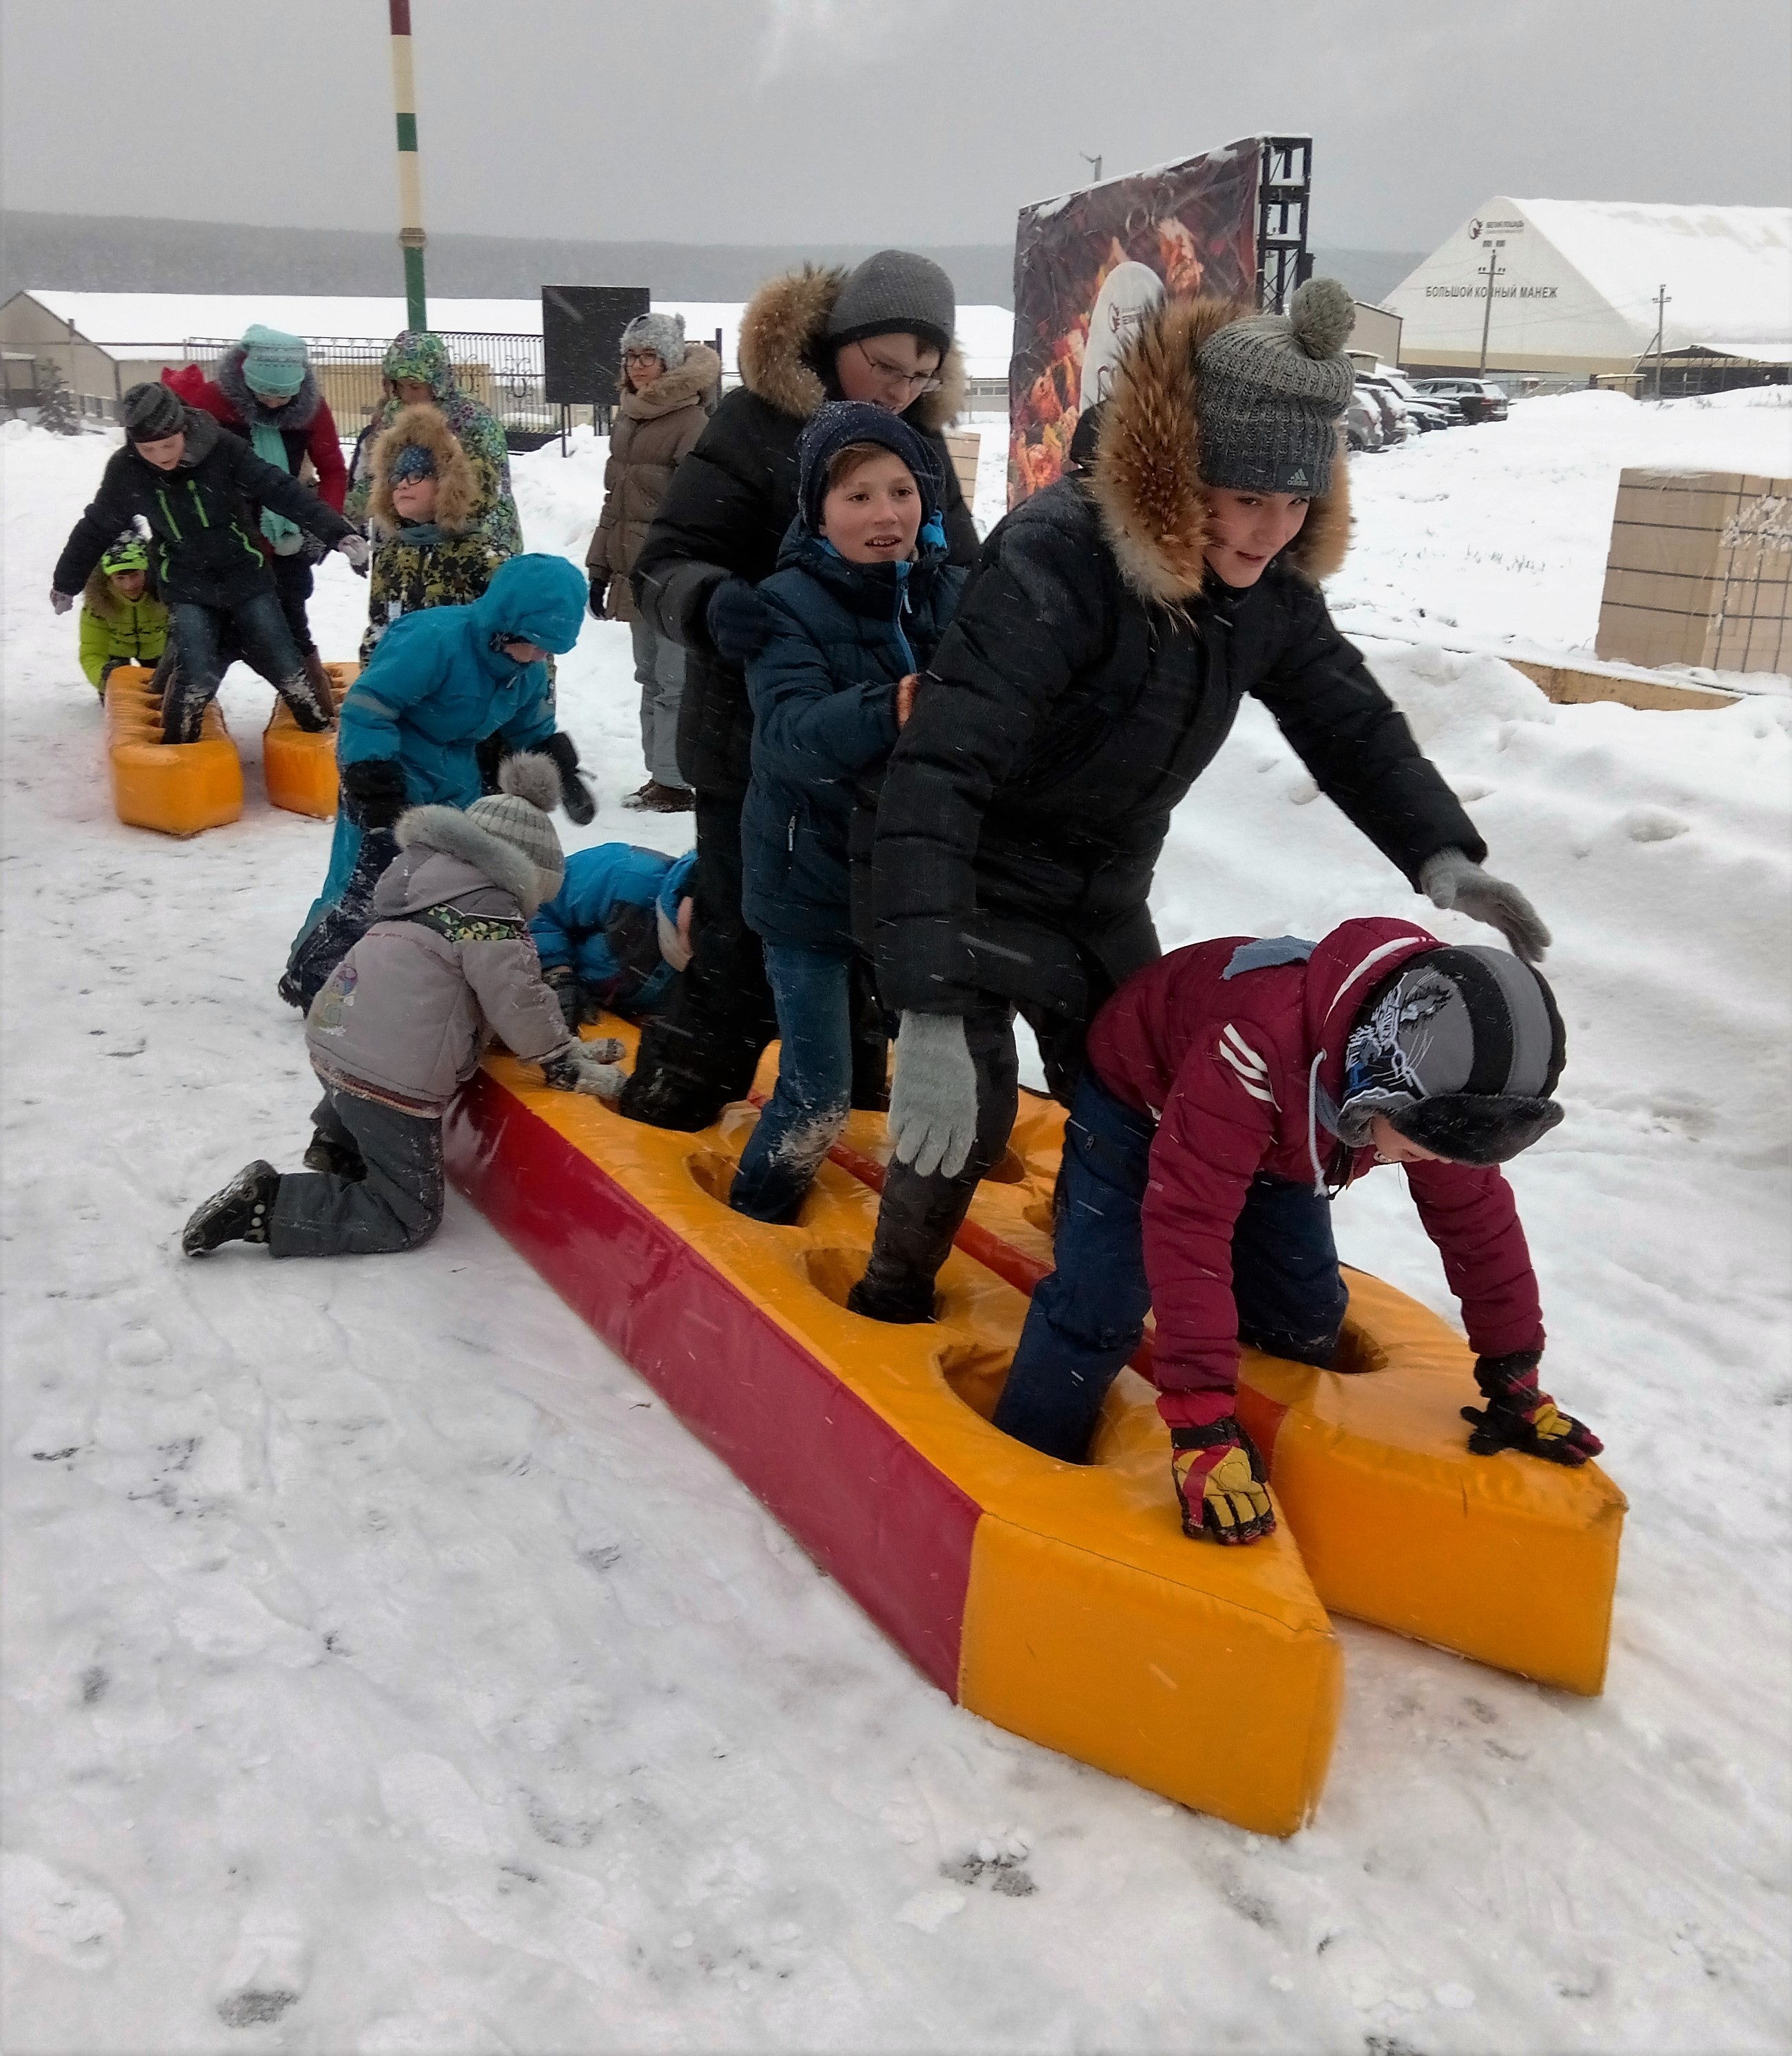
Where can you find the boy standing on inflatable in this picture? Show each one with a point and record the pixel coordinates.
(1230, 1090)
(1117, 619)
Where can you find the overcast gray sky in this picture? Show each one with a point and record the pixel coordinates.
(876, 121)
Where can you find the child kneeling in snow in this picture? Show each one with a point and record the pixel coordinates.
(618, 932)
(401, 1024)
(1231, 1087)
(861, 596)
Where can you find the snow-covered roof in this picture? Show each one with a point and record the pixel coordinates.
(1578, 282)
(159, 324)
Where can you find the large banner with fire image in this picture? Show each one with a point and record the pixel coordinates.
(1088, 267)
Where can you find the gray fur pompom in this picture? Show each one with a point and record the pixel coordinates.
(529, 776)
(1322, 315)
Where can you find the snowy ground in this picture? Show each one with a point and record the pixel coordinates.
(387, 1671)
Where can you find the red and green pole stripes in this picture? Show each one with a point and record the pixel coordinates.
(411, 188)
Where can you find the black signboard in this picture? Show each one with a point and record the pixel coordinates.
(581, 340)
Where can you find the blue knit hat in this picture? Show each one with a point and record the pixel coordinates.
(273, 361)
(831, 428)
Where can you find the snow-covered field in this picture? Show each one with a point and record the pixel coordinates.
(387, 1671)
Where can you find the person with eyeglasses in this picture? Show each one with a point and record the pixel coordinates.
(882, 334)
(668, 390)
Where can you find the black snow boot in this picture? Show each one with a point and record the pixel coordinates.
(237, 1214)
(335, 1159)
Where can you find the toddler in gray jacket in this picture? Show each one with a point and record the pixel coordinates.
(402, 1022)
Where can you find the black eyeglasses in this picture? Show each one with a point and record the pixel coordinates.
(916, 382)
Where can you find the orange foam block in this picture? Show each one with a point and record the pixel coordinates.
(179, 788)
(300, 768)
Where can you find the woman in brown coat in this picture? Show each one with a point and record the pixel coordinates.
(668, 389)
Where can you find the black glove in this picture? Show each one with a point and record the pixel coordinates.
(737, 622)
(562, 982)
(373, 792)
(1520, 1415)
(107, 669)
(575, 794)
(599, 588)
(314, 550)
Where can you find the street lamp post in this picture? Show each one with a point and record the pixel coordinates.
(410, 188)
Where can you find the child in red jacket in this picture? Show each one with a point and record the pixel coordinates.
(1231, 1087)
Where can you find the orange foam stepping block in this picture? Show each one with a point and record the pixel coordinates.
(179, 788)
(300, 768)
(1505, 1559)
(1061, 1601)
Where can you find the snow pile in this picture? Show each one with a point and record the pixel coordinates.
(386, 1672)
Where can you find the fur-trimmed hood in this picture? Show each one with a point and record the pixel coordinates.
(459, 501)
(296, 418)
(98, 597)
(1144, 476)
(784, 351)
(694, 382)
(453, 834)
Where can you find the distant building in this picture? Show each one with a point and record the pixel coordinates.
(1375, 339)
(1575, 291)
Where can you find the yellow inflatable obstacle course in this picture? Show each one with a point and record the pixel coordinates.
(300, 768)
(1062, 1601)
(179, 788)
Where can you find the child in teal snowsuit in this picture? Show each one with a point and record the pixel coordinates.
(440, 683)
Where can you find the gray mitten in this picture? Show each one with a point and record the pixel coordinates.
(1451, 879)
(933, 1096)
(587, 1067)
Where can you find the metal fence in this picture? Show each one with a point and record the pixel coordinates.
(502, 371)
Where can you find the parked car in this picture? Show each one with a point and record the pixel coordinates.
(1397, 425)
(1479, 398)
(1362, 423)
(1426, 411)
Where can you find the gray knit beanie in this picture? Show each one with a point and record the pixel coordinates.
(662, 333)
(895, 292)
(150, 413)
(1272, 390)
(517, 814)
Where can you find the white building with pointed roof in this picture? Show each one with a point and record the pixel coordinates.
(1577, 284)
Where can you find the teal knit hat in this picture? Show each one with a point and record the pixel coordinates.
(272, 363)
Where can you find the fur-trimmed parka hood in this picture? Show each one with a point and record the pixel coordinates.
(1144, 475)
(784, 353)
(453, 834)
(294, 417)
(693, 383)
(459, 500)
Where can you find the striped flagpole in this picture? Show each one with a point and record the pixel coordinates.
(410, 187)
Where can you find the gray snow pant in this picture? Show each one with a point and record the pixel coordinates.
(395, 1204)
(659, 672)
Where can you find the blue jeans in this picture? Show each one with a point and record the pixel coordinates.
(206, 638)
(813, 992)
(1088, 1318)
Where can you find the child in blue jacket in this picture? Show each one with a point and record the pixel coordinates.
(860, 597)
(439, 684)
(618, 932)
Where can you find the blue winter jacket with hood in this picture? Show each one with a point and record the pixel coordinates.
(437, 685)
(603, 923)
(823, 690)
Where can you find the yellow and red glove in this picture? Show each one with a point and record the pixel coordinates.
(1520, 1415)
(1221, 1483)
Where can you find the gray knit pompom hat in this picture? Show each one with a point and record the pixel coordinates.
(1273, 390)
(518, 814)
(662, 334)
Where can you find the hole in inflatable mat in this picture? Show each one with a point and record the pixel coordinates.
(833, 1272)
(976, 1372)
(1010, 1171)
(1039, 1214)
(1358, 1351)
(713, 1173)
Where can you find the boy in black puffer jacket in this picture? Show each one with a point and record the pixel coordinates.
(193, 485)
(861, 596)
